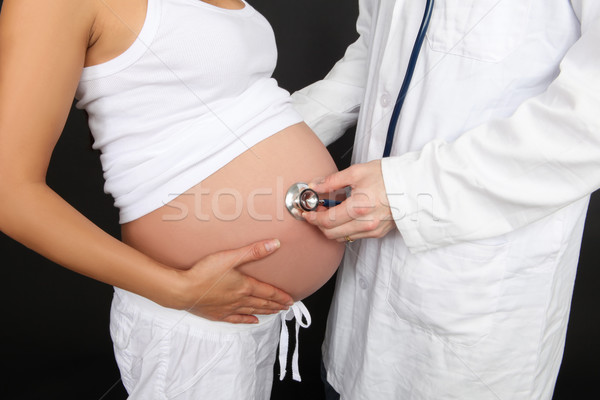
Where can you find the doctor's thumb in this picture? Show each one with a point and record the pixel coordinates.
(333, 182)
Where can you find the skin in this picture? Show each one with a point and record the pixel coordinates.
(365, 214)
(41, 60)
(230, 208)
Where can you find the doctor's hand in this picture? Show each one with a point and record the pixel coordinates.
(365, 214)
(215, 289)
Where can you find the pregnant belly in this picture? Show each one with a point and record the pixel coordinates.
(244, 202)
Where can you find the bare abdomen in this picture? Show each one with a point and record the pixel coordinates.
(244, 202)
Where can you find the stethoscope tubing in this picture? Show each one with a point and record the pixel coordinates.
(389, 140)
(320, 202)
(329, 203)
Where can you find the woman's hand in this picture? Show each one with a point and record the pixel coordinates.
(215, 289)
(365, 214)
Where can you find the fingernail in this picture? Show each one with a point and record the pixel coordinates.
(290, 303)
(272, 245)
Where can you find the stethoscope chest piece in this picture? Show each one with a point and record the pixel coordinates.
(300, 198)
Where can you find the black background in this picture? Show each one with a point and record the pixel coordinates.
(54, 340)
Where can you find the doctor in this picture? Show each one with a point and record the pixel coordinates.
(461, 282)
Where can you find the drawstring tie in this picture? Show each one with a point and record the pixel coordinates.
(300, 313)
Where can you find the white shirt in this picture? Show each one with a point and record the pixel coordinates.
(193, 92)
(496, 152)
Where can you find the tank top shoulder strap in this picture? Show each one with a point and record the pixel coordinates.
(135, 51)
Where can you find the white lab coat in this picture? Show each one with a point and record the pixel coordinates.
(496, 152)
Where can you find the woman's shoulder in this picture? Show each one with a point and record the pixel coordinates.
(117, 23)
(104, 27)
(47, 20)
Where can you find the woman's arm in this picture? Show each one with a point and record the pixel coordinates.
(42, 52)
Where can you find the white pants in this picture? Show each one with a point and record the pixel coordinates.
(170, 354)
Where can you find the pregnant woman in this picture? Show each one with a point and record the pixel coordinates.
(198, 146)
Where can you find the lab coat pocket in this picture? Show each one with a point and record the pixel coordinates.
(485, 30)
(451, 292)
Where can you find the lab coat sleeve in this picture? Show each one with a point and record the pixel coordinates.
(507, 173)
(330, 106)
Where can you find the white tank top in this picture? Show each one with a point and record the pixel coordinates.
(193, 92)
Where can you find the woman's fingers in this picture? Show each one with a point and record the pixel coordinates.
(219, 291)
(270, 296)
(252, 287)
(241, 319)
(252, 252)
(255, 306)
(258, 307)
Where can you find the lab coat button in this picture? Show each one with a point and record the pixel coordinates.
(362, 283)
(386, 100)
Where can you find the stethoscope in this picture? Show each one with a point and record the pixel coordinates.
(299, 197)
(408, 77)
